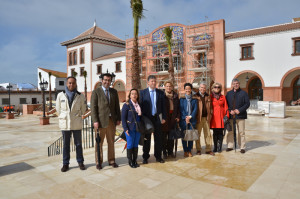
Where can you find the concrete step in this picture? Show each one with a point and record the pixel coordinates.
(292, 108)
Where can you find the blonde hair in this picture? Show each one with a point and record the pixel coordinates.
(216, 84)
(168, 82)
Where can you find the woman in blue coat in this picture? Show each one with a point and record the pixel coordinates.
(188, 112)
(131, 112)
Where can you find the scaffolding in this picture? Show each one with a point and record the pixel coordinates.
(199, 42)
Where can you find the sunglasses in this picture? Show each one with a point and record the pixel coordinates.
(217, 87)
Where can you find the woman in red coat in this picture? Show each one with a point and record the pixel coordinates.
(219, 109)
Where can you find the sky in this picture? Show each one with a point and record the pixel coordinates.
(31, 30)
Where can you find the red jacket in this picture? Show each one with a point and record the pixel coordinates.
(219, 108)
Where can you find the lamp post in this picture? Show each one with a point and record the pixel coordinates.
(44, 120)
(9, 114)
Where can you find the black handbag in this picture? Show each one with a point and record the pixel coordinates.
(148, 125)
(123, 136)
(176, 133)
(227, 124)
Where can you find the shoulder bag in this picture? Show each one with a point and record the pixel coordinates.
(190, 134)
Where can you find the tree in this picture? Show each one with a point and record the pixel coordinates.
(137, 14)
(74, 74)
(168, 35)
(85, 87)
(50, 92)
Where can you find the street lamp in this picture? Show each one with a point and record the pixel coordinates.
(9, 87)
(44, 86)
(247, 78)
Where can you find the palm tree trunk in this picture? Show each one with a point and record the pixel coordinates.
(50, 95)
(85, 90)
(171, 69)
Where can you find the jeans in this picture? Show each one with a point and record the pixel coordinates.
(133, 139)
(66, 146)
(187, 145)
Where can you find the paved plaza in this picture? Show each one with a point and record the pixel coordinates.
(270, 168)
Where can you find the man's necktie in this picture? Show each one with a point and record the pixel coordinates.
(106, 94)
(152, 100)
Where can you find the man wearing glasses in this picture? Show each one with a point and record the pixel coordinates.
(238, 103)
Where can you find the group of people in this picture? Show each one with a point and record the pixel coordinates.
(165, 109)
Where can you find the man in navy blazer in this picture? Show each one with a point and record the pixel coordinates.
(152, 105)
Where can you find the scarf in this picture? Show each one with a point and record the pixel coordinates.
(170, 97)
(70, 95)
(216, 95)
(137, 107)
(189, 106)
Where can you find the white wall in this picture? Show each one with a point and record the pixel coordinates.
(58, 87)
(272, 56)
(102, 49)
(45, 77)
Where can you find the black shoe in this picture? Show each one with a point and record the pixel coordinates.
(165, 156)
(65, 168)
(114, 165)
(160, 160)
(99, 167)
(243, 151)
(171, 155)
(145, 161)
(81, 166)
(229, 149)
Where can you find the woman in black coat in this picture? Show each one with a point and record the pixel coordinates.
(173, 116)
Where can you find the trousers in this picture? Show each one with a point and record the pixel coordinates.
(66, 146)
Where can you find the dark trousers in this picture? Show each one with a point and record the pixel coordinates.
(168, 145)
(66, 146)
(157, 140)
(218, 139)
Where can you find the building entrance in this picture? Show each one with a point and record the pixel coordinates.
(255, 90)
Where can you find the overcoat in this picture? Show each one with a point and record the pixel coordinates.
(220, 108)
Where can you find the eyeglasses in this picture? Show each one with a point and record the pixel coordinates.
(217, 87)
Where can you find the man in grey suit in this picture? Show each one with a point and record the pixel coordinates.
(106, 115)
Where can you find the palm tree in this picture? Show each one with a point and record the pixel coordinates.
(74, 74)
(50, 92)
(168, 34)
(85, 87)
(137, 14)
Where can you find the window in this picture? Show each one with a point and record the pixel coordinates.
(81, 56)
(99, 69)
(201, 60)
(33, 101)
(247, 51)
(296, 44)
(73, 72)
(118, 67)
(23, 101)
(75, 58)
(61, 83)
(70, 59)
(5, 101)
(81, 71)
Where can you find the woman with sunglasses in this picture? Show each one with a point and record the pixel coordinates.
(219, 110)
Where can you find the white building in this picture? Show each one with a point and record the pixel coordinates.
(269, 58)
(96, 51)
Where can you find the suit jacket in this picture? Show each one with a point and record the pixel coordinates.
(146, 104)
(128, 120)
(101, 108)
(242, 102)
(183, 112)
(200, 107)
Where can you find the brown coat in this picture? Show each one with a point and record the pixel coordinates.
(208, 107)
(170, 121)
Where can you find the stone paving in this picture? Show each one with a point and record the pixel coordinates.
(270, 168)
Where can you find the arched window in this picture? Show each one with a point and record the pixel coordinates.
(75, 57)
(296, 89)
(81, 56)
(70, 59)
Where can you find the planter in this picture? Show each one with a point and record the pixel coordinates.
(10, 116)
(44, 120)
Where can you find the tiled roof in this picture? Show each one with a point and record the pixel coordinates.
(113, 55)
(55, 73)
(95, 32)
(264, 30)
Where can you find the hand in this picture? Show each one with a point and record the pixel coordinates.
(96, 125)
(127, 133)
(237, 111)
(118, 122)
(163, 121)
(232, 112)
(187, 119)
(177, 119)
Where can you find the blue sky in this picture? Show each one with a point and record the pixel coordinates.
(31, 30)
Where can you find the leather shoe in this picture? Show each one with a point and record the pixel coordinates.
(65, 168)
(160, 160)
(198, 152)
(114, 165)
(81, 166)
(190, 154)
(243, 151)
(186, 154)
(210, 153)
(99, 167)
(229, 149)
(145, 161)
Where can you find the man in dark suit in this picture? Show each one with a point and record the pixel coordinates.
(152, 105)
(106, 115)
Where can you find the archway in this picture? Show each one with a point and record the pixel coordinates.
(296, 89)
(290, 85)
(255, 90)
(119, 85)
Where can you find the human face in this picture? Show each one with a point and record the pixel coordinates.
(202, 88)
(152, 83)
(133, 95)
(217, 89)
(71, 84)
(106, 81)
(168, 88)
(235, 85)
(188, 90)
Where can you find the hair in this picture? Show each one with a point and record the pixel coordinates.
(235, 80)
(134, 89)
(188, 84)
(71, 77)
(203, 83)
(151, 77)
(168, 82)
(106, 75)
(217, 84)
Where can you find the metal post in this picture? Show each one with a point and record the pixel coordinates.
(9, 110)
(44, 115)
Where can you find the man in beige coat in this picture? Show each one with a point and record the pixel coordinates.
(203, 119)
(106, 115)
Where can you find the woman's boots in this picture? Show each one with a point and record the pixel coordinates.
(132, 157)
(135, 155)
